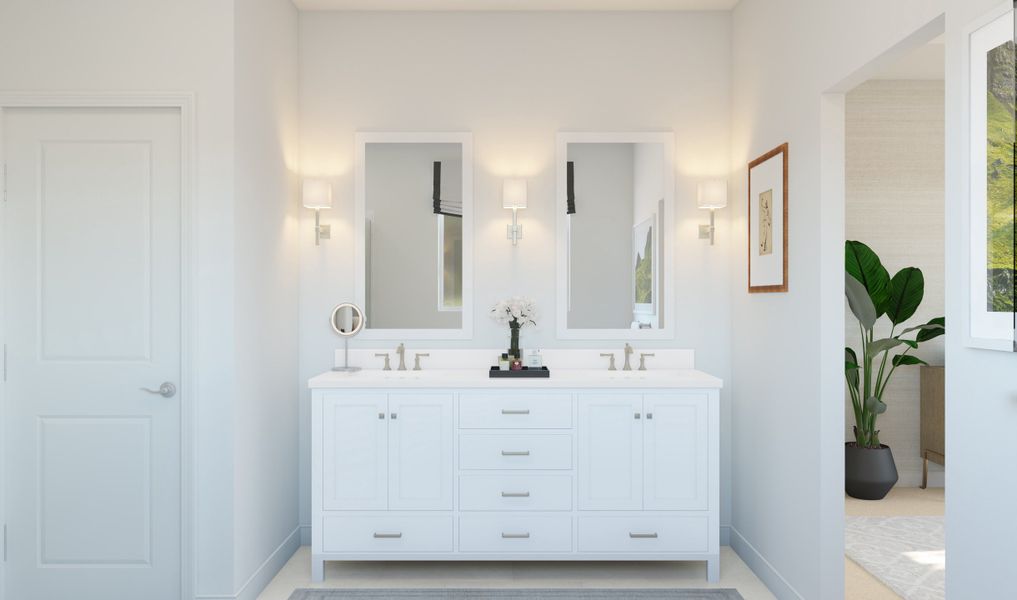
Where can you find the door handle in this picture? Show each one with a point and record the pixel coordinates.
(510, 411)
(642, 535)
(390, 536)
(515, 536)
(166, 390)
(515, 494)
(515, 452)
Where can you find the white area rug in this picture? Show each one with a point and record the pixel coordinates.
(908, 554)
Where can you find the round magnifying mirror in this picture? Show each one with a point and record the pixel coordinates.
(347, 320)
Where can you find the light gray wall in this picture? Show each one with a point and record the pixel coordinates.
(515, 79)
(266, 279)
(602, 267)
(787, 348)
(895, 202)
(404, 247)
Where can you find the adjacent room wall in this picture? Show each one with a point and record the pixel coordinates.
(602, 236)
(895, 199)
(266, 271)
(515, 80)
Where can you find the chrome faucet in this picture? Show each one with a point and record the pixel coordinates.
(401, 351)
(628, 353)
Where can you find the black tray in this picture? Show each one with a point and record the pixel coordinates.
(525, 372)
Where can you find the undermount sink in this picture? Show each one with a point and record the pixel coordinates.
(628, 375)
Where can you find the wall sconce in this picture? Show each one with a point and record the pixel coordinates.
(711, 195)
(513, 195)
(317, 194)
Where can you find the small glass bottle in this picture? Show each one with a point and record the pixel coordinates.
(503, 362)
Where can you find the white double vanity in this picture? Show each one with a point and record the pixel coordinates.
(449, 464)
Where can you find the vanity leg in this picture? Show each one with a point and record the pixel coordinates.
(925, 469)
(713, 569)
(317, 569)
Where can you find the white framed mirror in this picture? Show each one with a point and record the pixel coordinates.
(615, 216)
(414, 235)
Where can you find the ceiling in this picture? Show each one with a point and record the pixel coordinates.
(527, 5)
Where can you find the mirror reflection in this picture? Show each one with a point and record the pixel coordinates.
(347, 319)
(615, 203)
(413, 203)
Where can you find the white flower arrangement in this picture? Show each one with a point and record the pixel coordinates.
(518, 309)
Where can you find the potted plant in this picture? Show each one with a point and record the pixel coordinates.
(871, 293)
(515, 312)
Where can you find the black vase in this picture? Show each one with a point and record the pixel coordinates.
(869, 473)
(514, 341)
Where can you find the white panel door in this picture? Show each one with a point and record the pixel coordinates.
(675, 455)
(420, 452)
(91, 247)
(610, 452)
(354, 448)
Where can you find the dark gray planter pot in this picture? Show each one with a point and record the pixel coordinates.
(869, 473)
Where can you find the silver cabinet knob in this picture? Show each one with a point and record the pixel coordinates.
(166, 390)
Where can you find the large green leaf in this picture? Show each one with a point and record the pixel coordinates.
(860, 303)
(930, 329)
(875, 405)
(863, 264)
(878, 346)
(907, 359)
(906, 291)
(851, 367)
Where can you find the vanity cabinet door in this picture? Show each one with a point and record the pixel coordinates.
(675, 451)
(610, 452)
(354, 452)
(420, 451)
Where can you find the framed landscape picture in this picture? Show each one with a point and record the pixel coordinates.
(768, 222)
(644, 266)
(992, 237)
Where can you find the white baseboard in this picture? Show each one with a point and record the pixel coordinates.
(762, 568)
(264, 573)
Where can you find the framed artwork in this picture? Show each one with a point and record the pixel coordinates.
(990, 232)
(644, 265)
(768, 222)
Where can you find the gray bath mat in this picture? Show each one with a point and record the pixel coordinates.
(516, 594)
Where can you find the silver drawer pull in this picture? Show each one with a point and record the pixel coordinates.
(515, 494)
(512, 411)
(515, 452)
(643, 535)
(389, 536)
(515, 536)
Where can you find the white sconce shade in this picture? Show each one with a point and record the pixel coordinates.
(317, 194)
(513, 193)
(712, 194)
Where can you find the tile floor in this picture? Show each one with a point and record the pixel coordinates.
(901, 501)
(734, 574)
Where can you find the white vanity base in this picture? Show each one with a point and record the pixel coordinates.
(449, 469)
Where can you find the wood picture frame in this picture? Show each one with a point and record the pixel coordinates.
(764, 238)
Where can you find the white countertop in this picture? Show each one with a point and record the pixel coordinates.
(478, 378)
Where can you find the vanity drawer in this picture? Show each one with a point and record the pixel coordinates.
(515, 411)
(515, 451)
(515, 492)
(387, 534)
(644, 534)
(515, 533)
